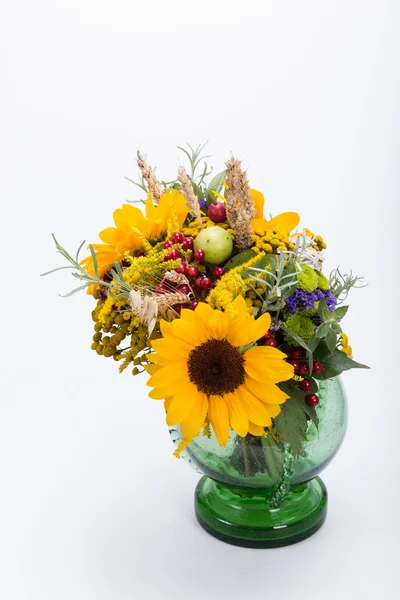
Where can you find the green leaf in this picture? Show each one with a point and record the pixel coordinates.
(56, 269)
(291, 425)
(313, 342)
(78, 289)
(340, 312)
(298, 339)
(290, 388)
(265, 263)
(322, 352)
(273, 457)
(337, 363)
(94, 258)
(198, 191)
(78, 251)
(323, 310)
(322, 330)
(239, 259)
(216, 182)
(336, 328)
(331, 339)
(289, 274)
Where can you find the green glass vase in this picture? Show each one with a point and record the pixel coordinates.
(249, 498)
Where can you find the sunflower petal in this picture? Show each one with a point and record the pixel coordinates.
(168, 375)
(237, 414)
(267, 392)
(257, 411)
(189, 332)
(218, 325)
(264, 369)
(255, 429)
(191, 426)
(219, 418)
(182, 403)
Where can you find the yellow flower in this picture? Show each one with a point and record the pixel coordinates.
(130, 222)
(344, 340)
(286, 221)
(203, 370)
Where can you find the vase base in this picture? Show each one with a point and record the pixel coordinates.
(242, 516)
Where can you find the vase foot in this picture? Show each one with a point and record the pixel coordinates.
(242, 517)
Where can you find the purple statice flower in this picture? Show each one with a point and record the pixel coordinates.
(331, 300)
(202, 204)
(301, 300)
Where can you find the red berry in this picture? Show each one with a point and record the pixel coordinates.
(217, 212)
(312, 400)
(187, 243)
(140, 253)
(179, 307)
(160, 288)
(268, 334)
(317, 367)
(173, 255)
(168, 244)
(185, 289)
(306, 385)
(192, 271)
(303, 369)
(199, 254)
(295, 364)
(271, 341)
(296, 354)
(177, 237)
(198, 281)
(182, 269)
(169, 283)
(218, 272)
(206, 283)
(193, 305)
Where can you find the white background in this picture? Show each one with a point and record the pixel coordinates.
(92, 503)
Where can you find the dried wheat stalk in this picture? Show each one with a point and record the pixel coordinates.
(145, 307)
(149, 177)
(240, 207)
(175, 277)
(191, 199)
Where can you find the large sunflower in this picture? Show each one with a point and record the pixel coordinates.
(204, 368)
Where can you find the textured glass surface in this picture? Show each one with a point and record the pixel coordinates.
(250, 497)
(243, 460)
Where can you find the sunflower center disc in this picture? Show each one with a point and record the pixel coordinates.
(216, 367)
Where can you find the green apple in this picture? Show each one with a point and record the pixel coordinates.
(216, 243)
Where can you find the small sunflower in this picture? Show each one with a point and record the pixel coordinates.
(205, 370)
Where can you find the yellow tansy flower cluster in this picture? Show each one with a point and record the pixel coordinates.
(346, 348)
(319, 243)
(271, 240)
(194, 228)
(117, 322)
(254, 295)
(112, 327)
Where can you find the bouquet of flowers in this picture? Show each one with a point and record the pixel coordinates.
(228, 312)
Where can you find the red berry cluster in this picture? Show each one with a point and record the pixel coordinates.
(297, 358)
(302, 368)
(198, 283)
